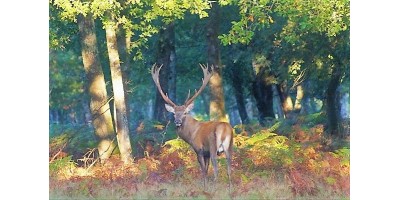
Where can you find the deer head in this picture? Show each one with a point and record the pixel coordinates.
(181, 111)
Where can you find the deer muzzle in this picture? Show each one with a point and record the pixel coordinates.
(178, 122)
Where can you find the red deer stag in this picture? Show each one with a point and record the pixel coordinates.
(208, 139)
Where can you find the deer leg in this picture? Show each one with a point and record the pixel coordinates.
(201, 159)
(228, 155)
(215, 166)
(206, 162)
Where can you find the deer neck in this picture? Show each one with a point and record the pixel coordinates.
(188, 129)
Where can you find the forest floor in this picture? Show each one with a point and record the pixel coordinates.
(265, 165)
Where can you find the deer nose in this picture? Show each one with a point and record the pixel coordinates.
(178, 123)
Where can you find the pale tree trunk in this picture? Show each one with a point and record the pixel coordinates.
(306, 107)
(299, 98)
(217, 102)
(99, 106)
(277, 102)
(121, 120)
(124, 41)
(287, 103)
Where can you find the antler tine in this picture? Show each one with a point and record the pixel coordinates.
(155, 72)
(206, 77)
(188, 96)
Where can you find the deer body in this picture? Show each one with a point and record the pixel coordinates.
(208, 139)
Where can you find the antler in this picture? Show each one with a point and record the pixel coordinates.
(207, 75)
(155, 72)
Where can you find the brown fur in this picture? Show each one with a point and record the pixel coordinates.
(208, 139)
(202, 136)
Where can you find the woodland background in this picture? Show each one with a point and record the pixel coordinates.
(385, 161)
(281, 79)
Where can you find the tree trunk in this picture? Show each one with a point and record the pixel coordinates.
(217, 102)
(262, 93)
(205, 105)
(306, 107)
(124, 41)
(286, 100)
(264, 100)
(166, 56)
(86, 111)
(332, 101)
(172, 64)
(237, 83)
(277, 102)
(238, 89)
(99, 106)
(299, 98)
(121, 120)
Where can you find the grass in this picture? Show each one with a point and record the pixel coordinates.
(260, 188)
(117, 181)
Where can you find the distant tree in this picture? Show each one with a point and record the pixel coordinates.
(237, 81)
(262, 88)
(314, 39)
(217, 102)
(166, 56)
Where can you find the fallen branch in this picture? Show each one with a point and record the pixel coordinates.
(58, 153)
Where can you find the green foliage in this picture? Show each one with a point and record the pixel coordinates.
(275, 126)
(328, 17)
(61, 166)
(137, 18)
(314, 119)
(61, 32)
(66, 80)
(77, 139)
(177, 145)
(344, 155)
(254, 16)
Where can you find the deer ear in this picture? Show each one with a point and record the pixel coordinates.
(189, 108)
(169, 108)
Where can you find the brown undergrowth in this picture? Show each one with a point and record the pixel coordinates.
(265, 166)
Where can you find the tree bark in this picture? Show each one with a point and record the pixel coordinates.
(306, 107)
(237, 83)
(333, 102)
(238, 89)
(262, 93)
(121, 119)
(217, 102)
(99, 106)
(277, 102)
(166, 56)
(286, 100)
(124, 41)
(299, 98)
(264, 100)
